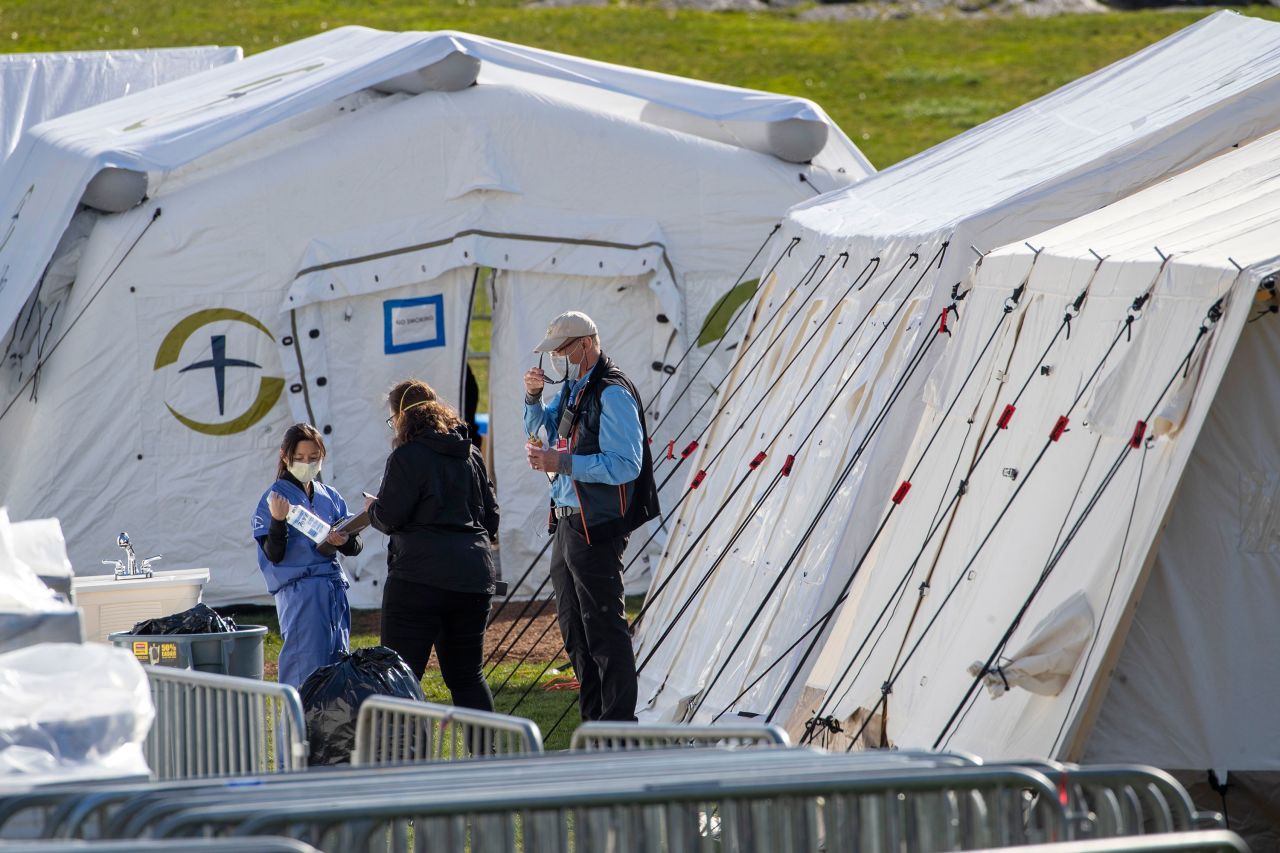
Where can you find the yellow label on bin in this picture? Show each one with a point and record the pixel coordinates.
(140, 650)
(168, 651)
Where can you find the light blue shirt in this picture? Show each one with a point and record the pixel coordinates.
(621, 439)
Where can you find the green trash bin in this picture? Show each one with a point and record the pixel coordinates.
(238, 652)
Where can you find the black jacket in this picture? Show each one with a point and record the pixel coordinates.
(437, 505)
(609, 511)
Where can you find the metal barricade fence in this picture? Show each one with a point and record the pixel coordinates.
(136, 810)
(222, 725)
(1211, 841)
(390, 730)
(597, 736)
(668, 800)
(257, 844)
(1125, 799)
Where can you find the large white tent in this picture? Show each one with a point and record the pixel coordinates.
(316, 221)
(36, 87)
(829, 379)
(1115, 599)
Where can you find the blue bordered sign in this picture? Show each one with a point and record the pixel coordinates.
(413, 324)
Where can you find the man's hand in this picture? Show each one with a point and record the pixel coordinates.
(534, 381)
(279, 506)
(336, 538)
(368, 501)
(550, 461)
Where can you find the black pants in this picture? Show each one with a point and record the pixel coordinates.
(593, 620)
(417, 617)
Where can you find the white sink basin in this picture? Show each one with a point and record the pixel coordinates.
(111, 605)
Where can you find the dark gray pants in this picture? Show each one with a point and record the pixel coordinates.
(593, 620)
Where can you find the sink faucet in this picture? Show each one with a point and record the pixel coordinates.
(131, 566)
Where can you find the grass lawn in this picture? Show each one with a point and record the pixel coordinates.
(896, 87)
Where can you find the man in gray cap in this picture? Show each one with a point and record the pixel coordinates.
(597, 458)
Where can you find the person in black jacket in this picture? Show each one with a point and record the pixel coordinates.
(437, 505)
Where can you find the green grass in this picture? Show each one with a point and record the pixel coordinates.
(479, 336)
(896, 87)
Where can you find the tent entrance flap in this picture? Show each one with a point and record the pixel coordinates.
(341, 356)
(626, 311)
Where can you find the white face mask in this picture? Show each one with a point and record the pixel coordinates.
(561, 365)
(304, 472)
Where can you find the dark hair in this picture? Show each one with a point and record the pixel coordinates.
(428, 412)
(294, 436)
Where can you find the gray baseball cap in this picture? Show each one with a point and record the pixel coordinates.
(566, 327)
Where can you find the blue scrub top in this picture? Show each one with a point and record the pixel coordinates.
(301, 559)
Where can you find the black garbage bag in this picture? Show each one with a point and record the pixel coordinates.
(331, 698)
(200, 619)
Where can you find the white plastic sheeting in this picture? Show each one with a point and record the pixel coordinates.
(741, 639)
(1167, 529)
(35, 87)
(72, 712)
(320, 241)
(40, 545)
(21, 590)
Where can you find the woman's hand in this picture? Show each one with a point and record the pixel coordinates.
(337, 538)
(279, 506)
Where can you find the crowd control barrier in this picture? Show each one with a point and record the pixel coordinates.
(596, 736)
(656, 799)
(676, 803)
(1214, 841)
(222, 725)
(391, 730)
(187, 845)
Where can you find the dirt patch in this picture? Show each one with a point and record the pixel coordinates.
(519, 629)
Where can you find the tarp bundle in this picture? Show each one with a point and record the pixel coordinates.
(317, 219)
(830, 379)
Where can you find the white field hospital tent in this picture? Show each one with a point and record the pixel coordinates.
(795, 471)
(35, 87)
(315, 222)
(1105, 588)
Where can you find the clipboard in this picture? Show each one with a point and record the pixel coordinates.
(350, 525)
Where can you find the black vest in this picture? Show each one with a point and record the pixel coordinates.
(610, 511)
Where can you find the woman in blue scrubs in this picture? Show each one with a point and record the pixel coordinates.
(310, 588)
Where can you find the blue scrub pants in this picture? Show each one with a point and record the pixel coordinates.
(315, 621)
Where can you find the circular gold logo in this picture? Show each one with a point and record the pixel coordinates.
(269, 387)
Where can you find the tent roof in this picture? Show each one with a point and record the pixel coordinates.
(167, 127)
(35, 87)
(1224, 63)
(1223, 214)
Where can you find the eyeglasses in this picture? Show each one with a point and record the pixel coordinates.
(391, 422)
(547, 379)
(563, 352)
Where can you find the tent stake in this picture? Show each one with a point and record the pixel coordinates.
(1096, 255)
(1033, 248)
(1234, 264)
(1162, 255)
